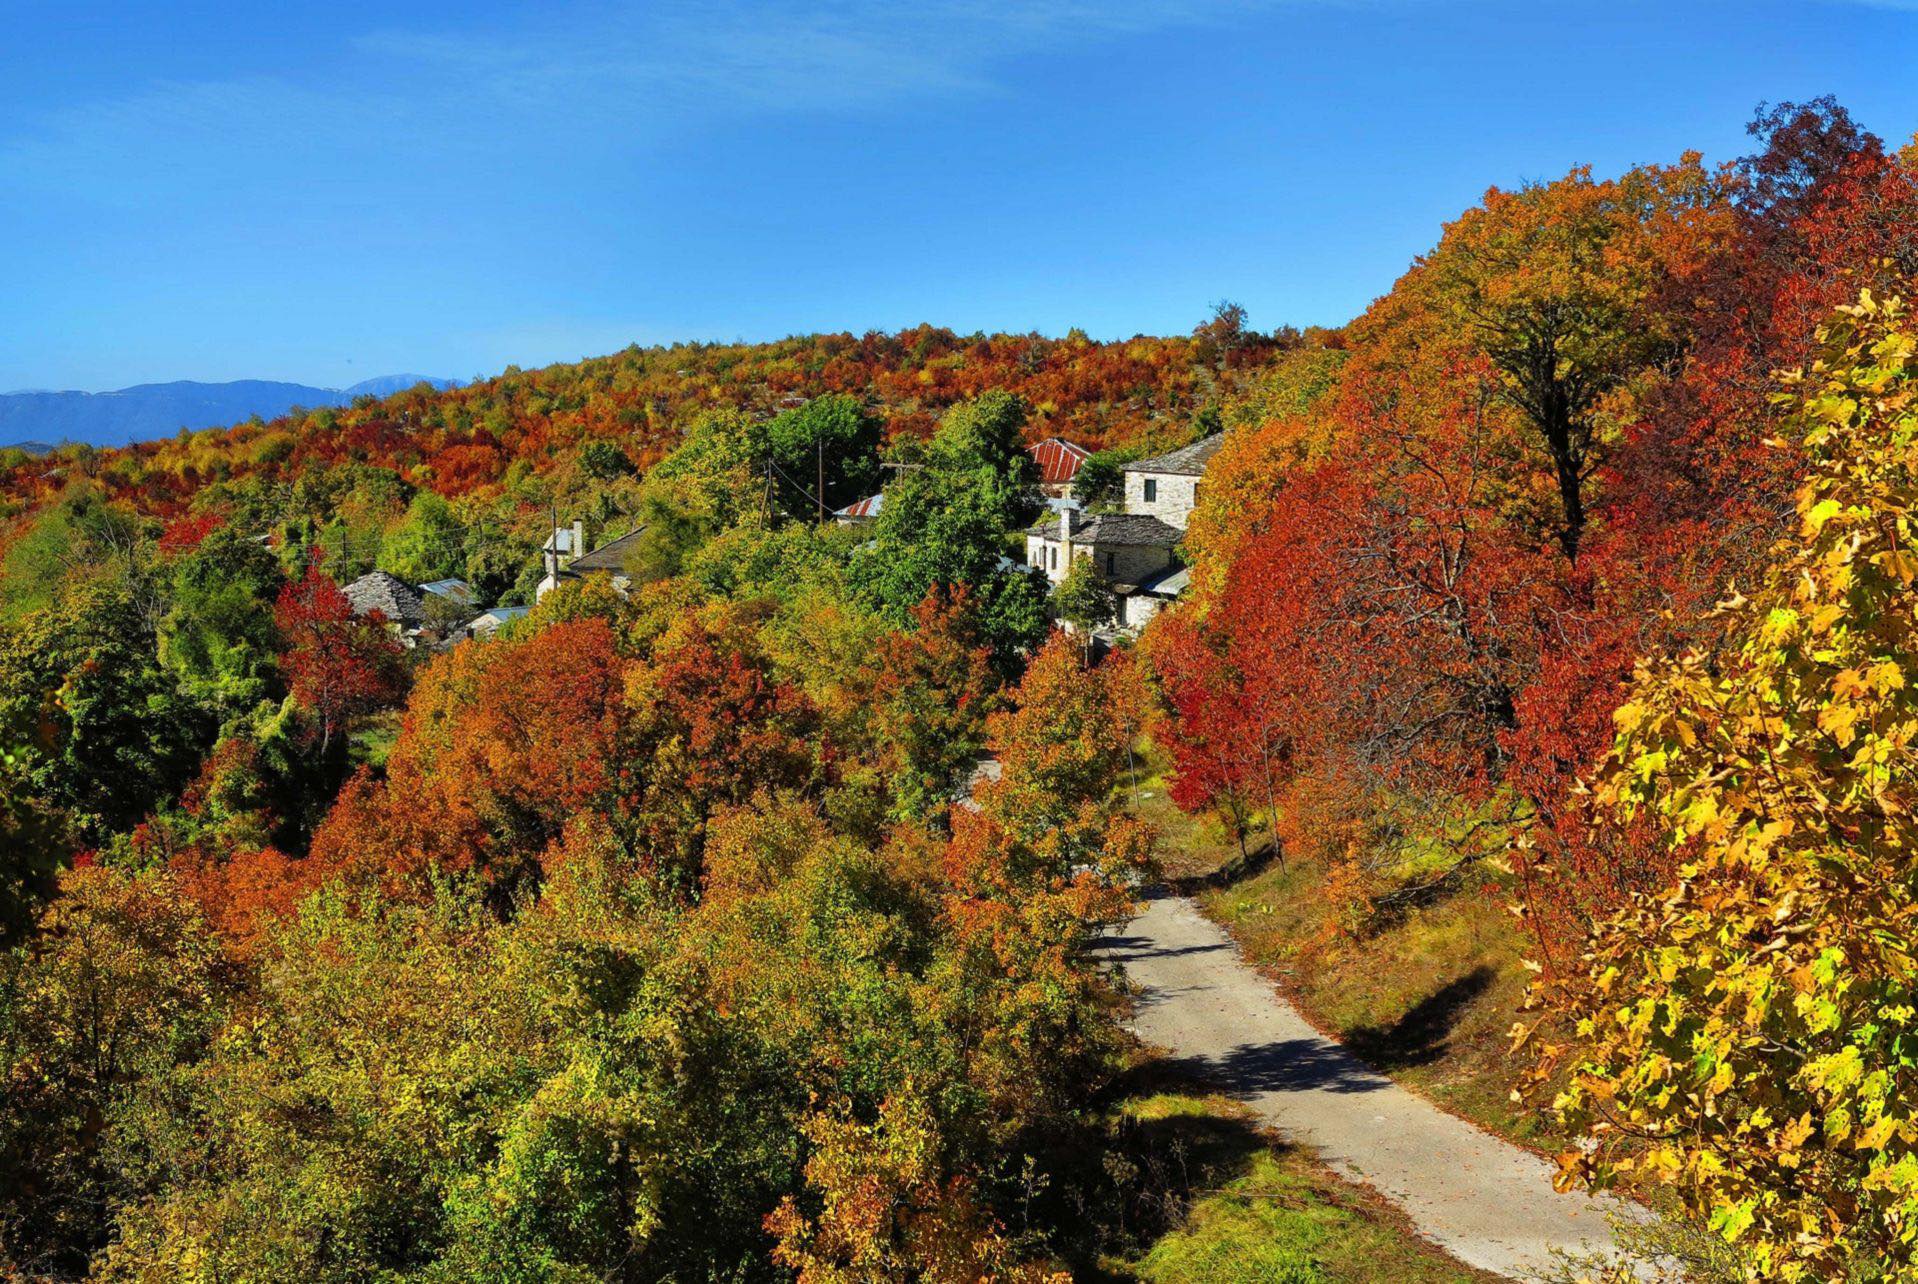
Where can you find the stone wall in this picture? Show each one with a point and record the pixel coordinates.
(1043, 554)
(1119, 563)
(1173, 501)
(1130, 564)
(1136, 611)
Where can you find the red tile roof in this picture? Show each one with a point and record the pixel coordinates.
(1058, 460)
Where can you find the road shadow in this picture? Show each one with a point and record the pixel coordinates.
(1128, 949)
(1420, 1036)
(1285, 1065)
(1254, 862)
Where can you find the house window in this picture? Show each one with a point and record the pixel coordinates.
(1112, 563)
(1052, 559)
(1151, 490)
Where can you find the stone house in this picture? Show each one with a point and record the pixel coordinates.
(396, 600)
(1136, 551)
(1124, 547)
(1150, 596)
(608, 561)
(1136, 554)
(404, 608)
(1167, 486)
(565, 564)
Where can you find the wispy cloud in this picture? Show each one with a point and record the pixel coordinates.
(631, 71)
(780, 54)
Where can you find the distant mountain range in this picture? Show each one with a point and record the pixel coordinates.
(149, 410)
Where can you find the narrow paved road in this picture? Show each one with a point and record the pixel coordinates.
(1488, 1203)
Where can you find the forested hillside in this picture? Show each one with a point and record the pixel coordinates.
(643, 939)
(506, 449)
(673, 932)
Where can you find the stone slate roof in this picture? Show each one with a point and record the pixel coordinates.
(388, 594)
(610, 556)
(1187, 460)
(1168, 583)
(1132, 530)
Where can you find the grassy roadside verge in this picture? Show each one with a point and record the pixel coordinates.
(1185, 1189)
(1428, 995)
(1429, 999)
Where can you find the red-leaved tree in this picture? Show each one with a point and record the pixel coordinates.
(340, 666)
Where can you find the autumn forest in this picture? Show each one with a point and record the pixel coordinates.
(737, 915)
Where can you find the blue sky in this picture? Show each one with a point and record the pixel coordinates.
(328, 192)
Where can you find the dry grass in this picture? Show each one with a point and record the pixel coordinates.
(1178, 1186)
(1428, 996)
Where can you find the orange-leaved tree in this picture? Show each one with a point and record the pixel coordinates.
(712, 722)
(502, 743)
(1562, 289)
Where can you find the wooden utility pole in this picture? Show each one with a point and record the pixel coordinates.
(819, 451)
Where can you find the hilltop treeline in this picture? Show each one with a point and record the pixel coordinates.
(503, 451)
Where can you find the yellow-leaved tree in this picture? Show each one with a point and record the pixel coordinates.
(1749, 1039)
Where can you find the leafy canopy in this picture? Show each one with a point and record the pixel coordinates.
(1747, 1039)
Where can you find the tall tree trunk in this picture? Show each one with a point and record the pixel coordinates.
(1554, 417)
(1571, 498)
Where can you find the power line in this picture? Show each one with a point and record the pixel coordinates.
(773, 498)
(814, 499)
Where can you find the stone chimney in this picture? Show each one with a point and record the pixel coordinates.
(1065, 540)
(579, 537)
